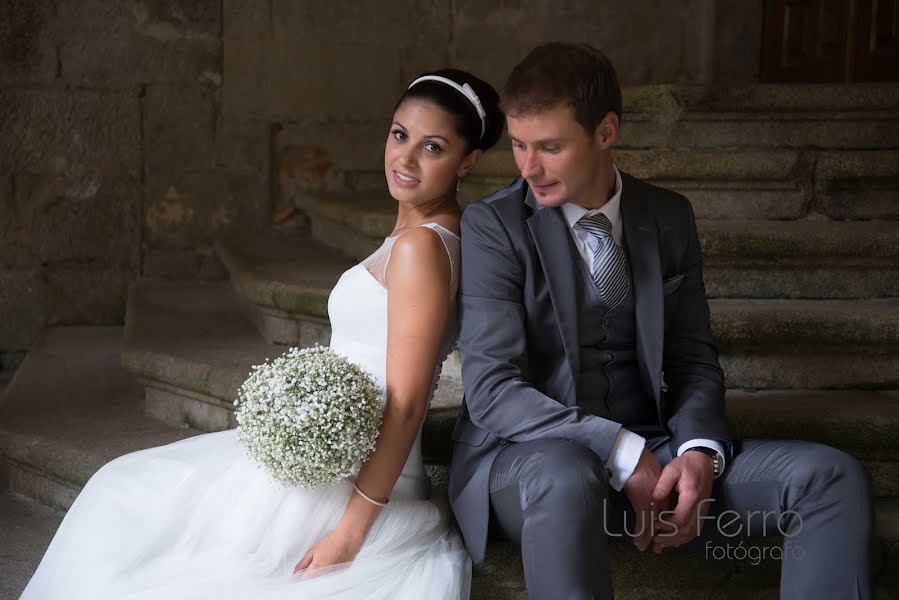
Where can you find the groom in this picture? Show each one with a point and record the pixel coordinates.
(592, 380)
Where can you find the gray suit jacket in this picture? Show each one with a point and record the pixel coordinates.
(519, 334)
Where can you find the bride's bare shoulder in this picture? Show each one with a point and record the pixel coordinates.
(419, 253)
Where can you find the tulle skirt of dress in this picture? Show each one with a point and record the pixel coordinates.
(197, 519)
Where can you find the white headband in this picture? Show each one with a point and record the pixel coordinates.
(465, 90)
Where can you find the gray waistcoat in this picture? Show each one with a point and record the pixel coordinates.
(609, 384)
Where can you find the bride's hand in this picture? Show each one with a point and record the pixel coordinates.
(335, 548)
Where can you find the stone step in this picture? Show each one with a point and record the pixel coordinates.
(816, 116)
(887, 526)
(806, 344)
(27, 528)
(865, 424)
(797, 242)
(797, 368)
(857, 185)
(748, 323)
(801, 259)
(732, 129)
(805, 99)
(354, 223)
(70, 409)
(838, 279)
(192, 345)
(287, 280)
(740, 183)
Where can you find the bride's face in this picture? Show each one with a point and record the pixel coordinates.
(424, 153)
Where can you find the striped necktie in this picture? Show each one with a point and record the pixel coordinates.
(609, 267)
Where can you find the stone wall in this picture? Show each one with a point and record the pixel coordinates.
(115, 160)
(134, 131)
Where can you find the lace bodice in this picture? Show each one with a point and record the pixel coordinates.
(377, 262)
(357, 309)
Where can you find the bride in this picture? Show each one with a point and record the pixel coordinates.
(197, 519)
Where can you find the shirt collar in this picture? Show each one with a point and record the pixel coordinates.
(611, 209)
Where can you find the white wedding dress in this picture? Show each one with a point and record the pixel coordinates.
(198, 520)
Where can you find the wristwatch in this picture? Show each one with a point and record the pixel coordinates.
(717, 459)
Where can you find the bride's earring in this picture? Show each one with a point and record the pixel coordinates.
(458, 184)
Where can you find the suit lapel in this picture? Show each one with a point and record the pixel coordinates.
(553, 242)
(642, 245)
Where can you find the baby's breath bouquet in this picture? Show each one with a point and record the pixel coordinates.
(309, 417)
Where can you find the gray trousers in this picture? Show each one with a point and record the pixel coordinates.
(553, 498)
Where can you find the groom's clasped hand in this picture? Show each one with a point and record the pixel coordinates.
(669, 501)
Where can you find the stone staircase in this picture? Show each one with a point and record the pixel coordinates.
(795, 193)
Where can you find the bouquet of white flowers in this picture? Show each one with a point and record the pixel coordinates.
(309, 417)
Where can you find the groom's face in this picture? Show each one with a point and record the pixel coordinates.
(559, 159)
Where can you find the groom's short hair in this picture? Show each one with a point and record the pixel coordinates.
(557, 72)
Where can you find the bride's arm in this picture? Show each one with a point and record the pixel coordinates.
(418, 304)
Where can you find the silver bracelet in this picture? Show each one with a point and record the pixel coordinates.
(372, 500)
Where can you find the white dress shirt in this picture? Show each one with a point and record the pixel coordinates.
(628, 446)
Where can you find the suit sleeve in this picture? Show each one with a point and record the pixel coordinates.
(690, 359)
(493, 340)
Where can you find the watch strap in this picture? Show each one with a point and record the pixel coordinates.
(717, 461)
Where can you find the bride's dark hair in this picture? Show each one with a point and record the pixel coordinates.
(468, 123)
